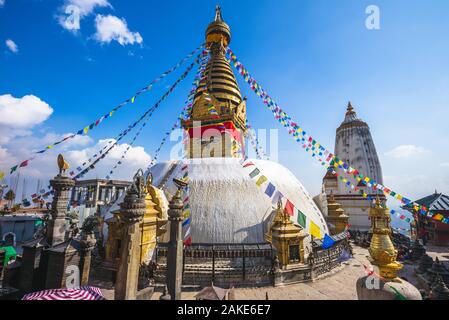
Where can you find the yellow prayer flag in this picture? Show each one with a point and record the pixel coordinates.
(2, 175)
(315, 230)
(49, 147)
(85, 130)
(186, 213)
(261, 180)
(132, 99)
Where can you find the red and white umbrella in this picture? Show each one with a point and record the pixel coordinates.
(81, 293)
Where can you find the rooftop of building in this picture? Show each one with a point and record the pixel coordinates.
(103, 182)
(435, 202)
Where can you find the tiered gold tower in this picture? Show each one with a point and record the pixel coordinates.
(219, 113)
(382, 250)
(287, 238)
(336, 216)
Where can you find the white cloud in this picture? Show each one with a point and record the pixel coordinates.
(23, 112)
(405, 151)
(444, 164)
(12, 46)
(136, 158)
(19, 115)
(111, 28)
(75, 10)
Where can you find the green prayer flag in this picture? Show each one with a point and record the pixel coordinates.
(254, 173)
(397, 294)
(302, 219)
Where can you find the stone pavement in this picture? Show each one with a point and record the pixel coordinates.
(340, 284)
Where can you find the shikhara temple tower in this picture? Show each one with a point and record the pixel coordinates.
(218, 116)
(355, 146)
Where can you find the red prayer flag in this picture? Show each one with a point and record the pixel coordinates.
(24, 164)
(289, 208)
(248, 164)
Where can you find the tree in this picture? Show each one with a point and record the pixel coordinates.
(10, 196)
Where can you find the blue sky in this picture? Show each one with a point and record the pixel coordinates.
(312, 56)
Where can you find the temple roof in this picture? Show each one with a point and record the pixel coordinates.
(435, 202)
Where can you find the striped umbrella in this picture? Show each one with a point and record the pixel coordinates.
(81, 293)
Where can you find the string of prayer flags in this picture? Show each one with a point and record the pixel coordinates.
(308, 142)
(145, 117)
(188, 104)
(276, 196)
(186, 225)
(251, 135)
(86, 129)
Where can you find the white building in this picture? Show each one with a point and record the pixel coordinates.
(355, 146)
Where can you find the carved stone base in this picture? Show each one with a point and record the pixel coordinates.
(292, 274)
(372, 288)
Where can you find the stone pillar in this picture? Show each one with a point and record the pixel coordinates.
(131, 213)
(175, 246)
(87, 242)
(56, 226)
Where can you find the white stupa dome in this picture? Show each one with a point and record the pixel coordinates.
(226, 204)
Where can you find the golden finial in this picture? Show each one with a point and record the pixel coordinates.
(349, 109)
(218, 17)
(62, 164)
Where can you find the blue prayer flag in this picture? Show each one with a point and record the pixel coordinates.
(270, 190)
(328, 242)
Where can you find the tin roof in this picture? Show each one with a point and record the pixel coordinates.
(435, 202)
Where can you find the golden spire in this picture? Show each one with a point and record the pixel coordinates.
(218, 31)
(382, 251)
(219, 80)
(349, 109)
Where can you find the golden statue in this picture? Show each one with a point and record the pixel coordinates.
(382, 251)
(62, 164)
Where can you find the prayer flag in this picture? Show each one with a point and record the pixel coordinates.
(254, 173)
(270, 190)
(24, 164)
(248, 164)
(261, 180)
(277, 196)
(328, 241)
(315, 230)
(289, 208)
(2, 175)
(13, 169)
(302, 219)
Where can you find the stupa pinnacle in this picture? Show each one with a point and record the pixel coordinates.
(217, 91)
